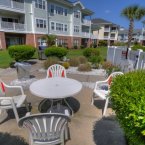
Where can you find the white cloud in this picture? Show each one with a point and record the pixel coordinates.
(107, 11)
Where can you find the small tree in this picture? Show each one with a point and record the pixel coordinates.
(50, 39)
(132, 13)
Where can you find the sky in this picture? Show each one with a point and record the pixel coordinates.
(111, 10)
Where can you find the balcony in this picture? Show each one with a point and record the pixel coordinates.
(106, 29)
(112, 37)
(86, 22)
(9, 26)
(12, 5)
(106, 37)
(85, 34)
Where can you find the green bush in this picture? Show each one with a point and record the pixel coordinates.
(128, 101)
(88, 52)
(50, 61)
(84, 67)
(120, 44)
(66, 65)
(21, 52)
(59, 52)
(102, 43)
(109, 67)
(138, 46)
(82, 59)
(74, 61)
(95, 59)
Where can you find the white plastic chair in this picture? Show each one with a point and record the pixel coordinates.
(12, 102)
(56, 70)
(101, 90)
(46, 128)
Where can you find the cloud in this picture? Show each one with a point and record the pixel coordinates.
(107, 11)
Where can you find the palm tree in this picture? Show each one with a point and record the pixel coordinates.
(132, 13)
(50, 39)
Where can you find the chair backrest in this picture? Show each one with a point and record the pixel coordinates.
(56, 70)
(2, 88)
(44, 127)
(112, 75)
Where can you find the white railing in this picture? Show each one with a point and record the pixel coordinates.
(85, 34)
(106, 29)
(106, 37)
(86, 22)
(113, 30)
(12, 5)
(12, 26)
(112, 38)
(18, 5)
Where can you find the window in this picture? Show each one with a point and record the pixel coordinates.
(42, 42)
(76, 14)
(65, 12)
(52, 26)
(61, 42)
(59, 10)
(10, 20)
(76, 42)
(76, 29)
(65, 28)
(52, 9)
(40, 4)
(40, 23)
(59, 27)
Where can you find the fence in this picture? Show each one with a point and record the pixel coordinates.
(117, 56)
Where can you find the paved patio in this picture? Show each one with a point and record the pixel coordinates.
(87, 127)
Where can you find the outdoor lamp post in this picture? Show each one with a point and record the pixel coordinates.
(56, 42)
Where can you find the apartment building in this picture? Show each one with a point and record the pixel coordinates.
(107, 31)
(123, 35)
(26, 21)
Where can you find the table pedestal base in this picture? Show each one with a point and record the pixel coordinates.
(3, 115)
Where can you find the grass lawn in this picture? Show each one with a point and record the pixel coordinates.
(79, 52)
(6, 60)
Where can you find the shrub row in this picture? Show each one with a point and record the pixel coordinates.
(128, 101)
(21, 52)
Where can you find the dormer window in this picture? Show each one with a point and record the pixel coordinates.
(76, 14)
(40, 4)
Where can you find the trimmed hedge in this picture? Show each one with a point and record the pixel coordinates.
(88, 52)
(21, 52)
(59, 52)
(128, 101)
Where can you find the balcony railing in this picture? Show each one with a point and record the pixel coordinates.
(85, 34)
(12, 4)
(112, 37)
(106, 37)
(86, 22)
(107, 29)
(12, 26)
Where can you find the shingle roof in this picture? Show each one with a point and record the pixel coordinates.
(125, 31)
(102, 21)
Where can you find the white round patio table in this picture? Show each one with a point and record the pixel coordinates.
(56, 88)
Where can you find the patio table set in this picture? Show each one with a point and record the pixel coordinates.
(51, 127)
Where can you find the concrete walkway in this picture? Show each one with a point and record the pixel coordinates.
(87, 127)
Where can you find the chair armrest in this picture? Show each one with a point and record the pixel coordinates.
(6, 98)
(99, 82)
(15, 87)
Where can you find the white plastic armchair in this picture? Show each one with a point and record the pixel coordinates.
(12, 102)
(56, 70)
(102, 91)
(46, 128)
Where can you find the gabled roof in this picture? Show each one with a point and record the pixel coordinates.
(78, 3)
(99, 21)
(125, 31)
